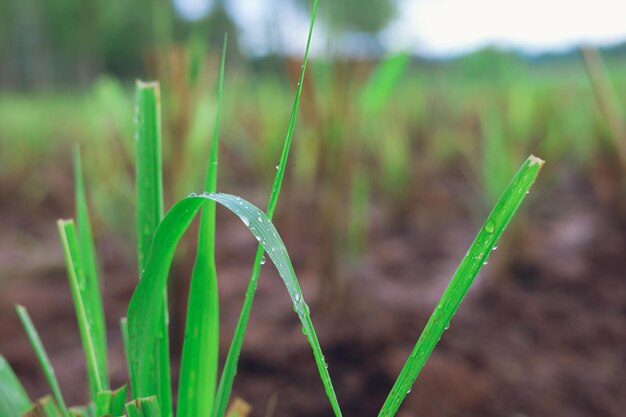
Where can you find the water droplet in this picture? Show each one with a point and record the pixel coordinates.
(495, 247)
(297, 297)
(490, 226)
(277, 165)
(485, 263)
(263, 260)
(192, 195)
(245, 221)
(258, 238)
(260, 219)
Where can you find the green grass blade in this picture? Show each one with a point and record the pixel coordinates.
(471, 264)
(143, 407)
(149, 214)
(45, 407)
(13, 398)
(125, 341)
(199, 363)
(89, 281)
(143, 314)
(230, 367)
(73, 263)
(111, 402)
(382, 83)
(44, 360)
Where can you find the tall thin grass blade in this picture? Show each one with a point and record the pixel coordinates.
(199, 363)
(143, 326)
(44, 360)
(88, 279)
(230, 367)
(13, 398)
(476, 257)
(71, 251)
(149, 214)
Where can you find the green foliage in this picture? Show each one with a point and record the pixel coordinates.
(13, 398)
(111, 402)
(69, 240)
(477, 255)
(155, 379)
(199, 363)
(44, 360)
(145, 332)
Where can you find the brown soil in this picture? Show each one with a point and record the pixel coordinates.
(541, 333)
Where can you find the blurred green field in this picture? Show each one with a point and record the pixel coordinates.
(478, 115)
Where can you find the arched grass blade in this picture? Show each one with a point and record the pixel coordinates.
(471, 264)
(44, 360)
(230, 367)
(143, 325)
(149, 214)
(199, 363)
(13, 398)
(89, 282)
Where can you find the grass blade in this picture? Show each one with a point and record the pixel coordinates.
(143, 407)
(69, 242)
(381, 84)
(45, 407)
(44, 360)
(125, 341)
(13, 398)
(199, 363)
(143, 326)
(111, 402)
(230, 367)
(89, 281)
(149, 214)
(471, 264)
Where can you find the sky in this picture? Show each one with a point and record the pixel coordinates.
(441, 28)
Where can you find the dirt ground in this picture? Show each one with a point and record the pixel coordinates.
(541, 333)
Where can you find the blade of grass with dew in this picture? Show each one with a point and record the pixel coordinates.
(143, 314)
(71, 251)
(89, 281)
(44, 360)
(13, 398)
(149, 214)
(230, 367)
(144, 407)
(199, 363)
(476, 257)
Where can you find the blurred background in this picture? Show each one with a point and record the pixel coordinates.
(414, 116)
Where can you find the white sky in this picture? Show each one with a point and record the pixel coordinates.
(444, 27)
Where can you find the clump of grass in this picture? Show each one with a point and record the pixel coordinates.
(145, 330)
